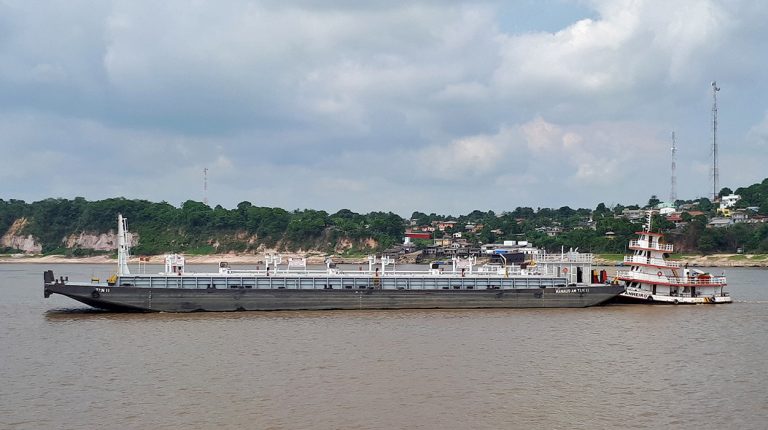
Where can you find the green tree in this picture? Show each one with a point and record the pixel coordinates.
(706, 244)
(601, 211)
(306, 225)
(705, 204)
(725, 192)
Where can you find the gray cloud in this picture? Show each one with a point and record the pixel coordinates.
(427, 105)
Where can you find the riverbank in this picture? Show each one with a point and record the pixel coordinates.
(245, 259)
(714, 260)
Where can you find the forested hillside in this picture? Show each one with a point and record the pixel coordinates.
(57, 226)
(194, 227)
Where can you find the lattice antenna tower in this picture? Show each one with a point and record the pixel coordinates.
(673, 181)
(715, 171)
(205, 185)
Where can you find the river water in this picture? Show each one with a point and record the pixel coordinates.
(64, 366)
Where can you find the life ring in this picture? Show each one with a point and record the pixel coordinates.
(659, 273)
(565, 270)
(95, 294)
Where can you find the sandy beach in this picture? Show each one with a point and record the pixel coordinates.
(714, 260)
(248, 259)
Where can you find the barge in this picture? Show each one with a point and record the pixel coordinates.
(550, 281)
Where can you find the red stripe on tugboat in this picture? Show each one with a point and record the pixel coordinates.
(693, 283)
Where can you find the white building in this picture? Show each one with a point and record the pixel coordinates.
(666, 210)
(727, 202)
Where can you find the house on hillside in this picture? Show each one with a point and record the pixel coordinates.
(740, 215)
(550, 231)
(410, 235)
(632, 214)
(719, 222)
(443, 225)
(473, 228)
(727, 203)
(675, 217)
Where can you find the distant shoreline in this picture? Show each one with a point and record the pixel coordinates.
(713, 260)
(249, 259)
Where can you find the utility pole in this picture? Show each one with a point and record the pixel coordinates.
(715, 171)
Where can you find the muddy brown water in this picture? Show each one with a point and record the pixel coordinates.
(65, 366)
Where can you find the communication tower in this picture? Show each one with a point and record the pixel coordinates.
(715, 171)
(673, 182)
(205, 185)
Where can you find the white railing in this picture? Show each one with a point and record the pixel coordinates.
(645, 244)
(568, 257)
(652, 261)
(639, 276)
(689, 280)
(699, 280)
(490, 272)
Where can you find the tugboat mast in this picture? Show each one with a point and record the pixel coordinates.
(123, 247)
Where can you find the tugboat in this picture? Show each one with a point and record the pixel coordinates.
(654, 279)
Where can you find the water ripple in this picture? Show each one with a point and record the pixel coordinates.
(70, 367)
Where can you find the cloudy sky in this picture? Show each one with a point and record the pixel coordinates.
(430, 105)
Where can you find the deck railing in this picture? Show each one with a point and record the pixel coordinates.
(651, 261)
(341, 282)
(645, 244)
(701, 280)
(568, 257)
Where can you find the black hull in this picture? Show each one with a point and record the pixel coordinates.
(628, 300)
(665, 301)
(220, 300)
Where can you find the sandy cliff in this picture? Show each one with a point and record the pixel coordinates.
(13, 239)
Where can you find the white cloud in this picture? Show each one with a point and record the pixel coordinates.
(600, 154)
(467, 157)
(604, 64)
(758, 134)
(541, 135)
(287, 102)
